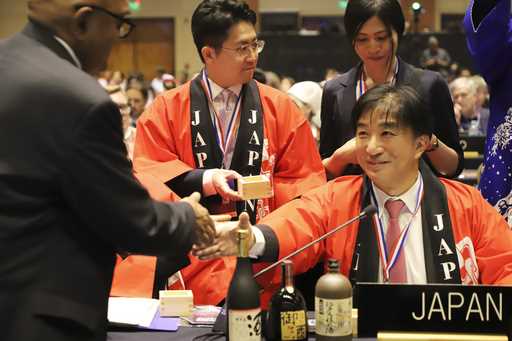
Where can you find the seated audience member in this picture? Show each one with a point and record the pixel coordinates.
(308, 97)
(119, 97)
(472, 119)
(184, 74)
(272, 79)
(331, 74)
(168, 81)
(104, 78)
(118, 78)
(434, 57)
(286, 83)
(452, 235)
(157, 83)
(259, 75)
(137, 99)
(482, 91)
(465, 72)
(135, 80)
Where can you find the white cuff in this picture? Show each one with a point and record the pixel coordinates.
(258, 248)
(208, 188)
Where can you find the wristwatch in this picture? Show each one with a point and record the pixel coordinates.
(434, 145)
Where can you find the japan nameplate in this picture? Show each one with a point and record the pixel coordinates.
(433, 308)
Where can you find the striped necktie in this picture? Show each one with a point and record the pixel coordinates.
(225, 106)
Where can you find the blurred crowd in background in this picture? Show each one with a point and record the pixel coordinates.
(470, 95)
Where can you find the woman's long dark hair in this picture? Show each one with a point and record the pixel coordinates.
(388, 11)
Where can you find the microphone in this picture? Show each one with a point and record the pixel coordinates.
(368, 211)
(219, 328)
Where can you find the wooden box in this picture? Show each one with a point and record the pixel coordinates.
(255, 187)
(176, 303)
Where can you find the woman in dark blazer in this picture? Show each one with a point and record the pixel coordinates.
(375, 28)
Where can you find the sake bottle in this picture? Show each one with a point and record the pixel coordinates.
(333, 305)
(243, 300)
(287, 313)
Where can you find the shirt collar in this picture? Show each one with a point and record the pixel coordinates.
(217, 89)
(70, 51)
(408, 197)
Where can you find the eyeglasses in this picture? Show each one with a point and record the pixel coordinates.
(124, 25)
(245, 49)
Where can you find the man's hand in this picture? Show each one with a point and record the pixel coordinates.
(226, 241)
(205, 226)
(433, 144)
(220, 179)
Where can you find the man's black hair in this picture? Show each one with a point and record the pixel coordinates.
(401, 102)
(213, 19)
(143, 91)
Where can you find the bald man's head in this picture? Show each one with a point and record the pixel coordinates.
(54, 12)
(90, 27)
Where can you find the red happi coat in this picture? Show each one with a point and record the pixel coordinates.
(482, 237)
(163, 150)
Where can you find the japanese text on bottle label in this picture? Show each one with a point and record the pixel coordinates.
(333, 317)
(245, 324)
(293, 325)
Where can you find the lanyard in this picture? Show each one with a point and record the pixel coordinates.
(361, 87)
(223, 144)
(395, 253)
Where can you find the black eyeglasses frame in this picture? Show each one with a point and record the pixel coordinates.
(125, 25)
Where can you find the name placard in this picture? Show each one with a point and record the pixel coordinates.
(433, 308)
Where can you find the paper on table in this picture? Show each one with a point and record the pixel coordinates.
(134, 311)
(164, 323)
(203, 315)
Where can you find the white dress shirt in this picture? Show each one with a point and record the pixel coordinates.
(413, 245)
(70, 51)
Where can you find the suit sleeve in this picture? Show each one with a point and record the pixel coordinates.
(445, 126)
(493, 243)
(156, 151)
(327, 135)
(298, 167)
(98, 184)
(489, 37)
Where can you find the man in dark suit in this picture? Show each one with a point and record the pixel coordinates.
(68, 200)
(471, 116)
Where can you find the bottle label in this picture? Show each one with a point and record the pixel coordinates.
(245, 324)
(333, 317)
(293, 325)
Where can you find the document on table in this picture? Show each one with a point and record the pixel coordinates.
(134, 311)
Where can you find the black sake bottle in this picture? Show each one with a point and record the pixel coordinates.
(243, 300)
(287, 314)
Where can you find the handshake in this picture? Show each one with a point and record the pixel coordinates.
(216, 236)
